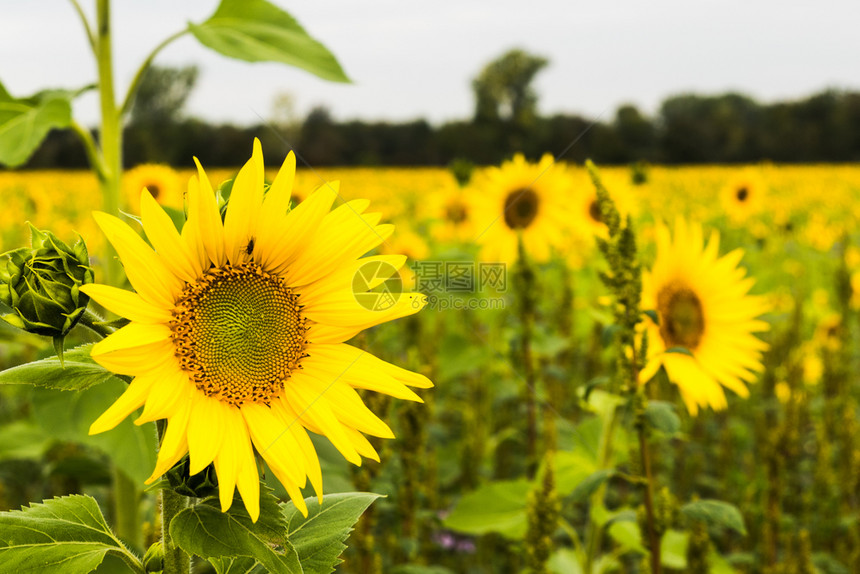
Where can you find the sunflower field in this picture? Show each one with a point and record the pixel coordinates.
(537, 366)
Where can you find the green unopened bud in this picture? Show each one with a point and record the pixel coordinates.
(200, 485)
(42, 284)
(153, 560)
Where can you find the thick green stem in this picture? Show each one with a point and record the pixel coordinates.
(110, 135)
(653, 539)
(176, 561)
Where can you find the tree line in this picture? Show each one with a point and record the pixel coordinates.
(687, 129)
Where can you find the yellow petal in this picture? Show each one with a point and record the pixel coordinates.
(202, 202)
(228, 459)
(206, 432)
(126, 304)
(145, 270)
(166, 240)
(302, 222)
(132, 335)
(128, 402)
(136, 360)
(173, 444)
(168, 395)
(274, 441)
(243, 211)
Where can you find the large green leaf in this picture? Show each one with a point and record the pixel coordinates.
(716, 513)
(67, 416)
(318, 539)
(25, 122)
(258, 31)
(204, 530)
(78, 371)
(494, 507)
(66, 535)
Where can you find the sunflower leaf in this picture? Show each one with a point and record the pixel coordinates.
(225, 537)
(66, 534)
(67, 416)
(258, 31)
(77, 371)
(25, 122)
(662, 416)
(716, 513)
(319, 538)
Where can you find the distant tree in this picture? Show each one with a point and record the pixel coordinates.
(156, 112)
(635, 133)
(503, 89)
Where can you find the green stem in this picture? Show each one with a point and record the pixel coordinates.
(525, 287)
(653, 539)
(110, 135)
(126, 497)
(176, 561)
(93, 322)
(595, 531)
(132, 89)
(87, 28)
(90, 147)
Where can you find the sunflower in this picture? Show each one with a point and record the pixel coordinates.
(452, 214)
(520, 200)
(238, 327)
(161, 181)
(743, 196)
(704, 337)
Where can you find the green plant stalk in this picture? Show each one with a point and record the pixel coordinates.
(126, 495)
(525, 281)
(594, 533)
(653, 540)
(110, 135)
(176, 561)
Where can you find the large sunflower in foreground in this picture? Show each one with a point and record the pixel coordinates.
(520, 200)
(706, 318)
(238, 327)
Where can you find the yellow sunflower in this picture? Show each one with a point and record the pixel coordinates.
(238, 327)
(743, 196)
(452, 212)
(520, 199)
(161, 181)
(706, 318)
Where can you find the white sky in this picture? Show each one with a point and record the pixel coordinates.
(416, 59)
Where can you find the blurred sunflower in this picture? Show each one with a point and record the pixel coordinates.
(238, 327)
(743, 196)
(453, 214)
(704, 338)
(161, 181)
(521, 200)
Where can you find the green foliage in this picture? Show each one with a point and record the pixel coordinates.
(66, 534)
(494, 507)
(662, 416)
(503, 88)
(319, 539)
(590, 485)
(25, 122)
(77, 372)
(67, 416)
(282, 540)
(203, 530)
(715, 513)
(258, 31)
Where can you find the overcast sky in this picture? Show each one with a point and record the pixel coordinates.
(416, 59)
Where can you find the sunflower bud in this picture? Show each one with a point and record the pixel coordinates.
(42, 284)
(153, 560)
(200, 485)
